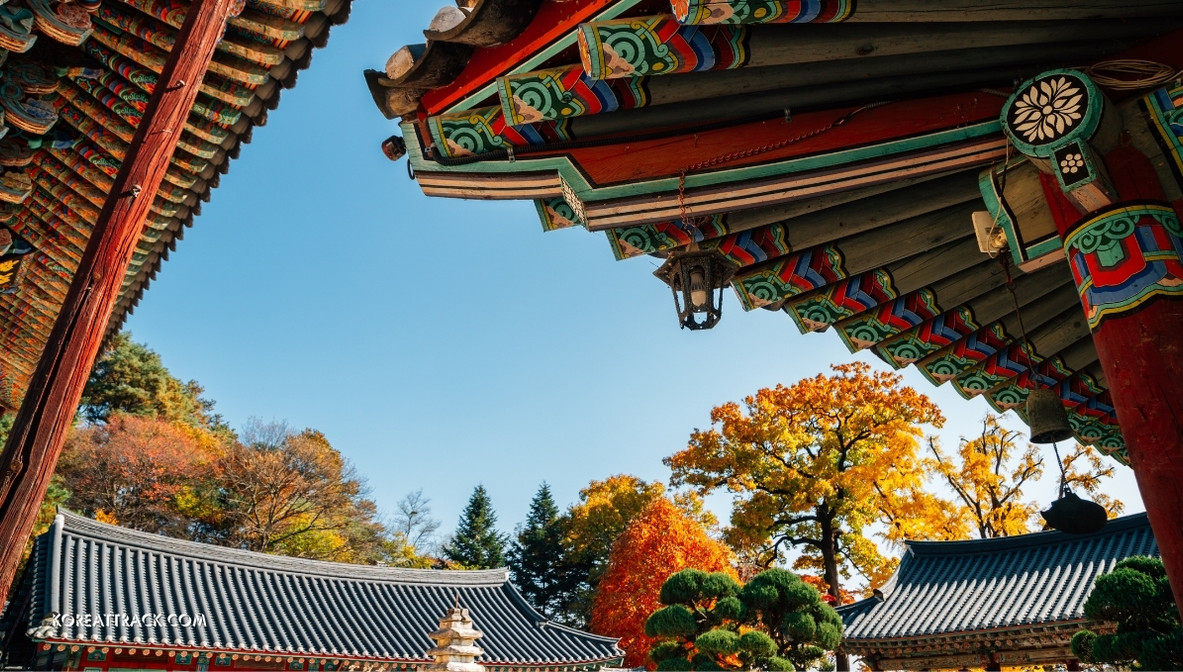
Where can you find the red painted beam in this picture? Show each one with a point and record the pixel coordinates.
(553, 21)
(29, 458)
(760, 142)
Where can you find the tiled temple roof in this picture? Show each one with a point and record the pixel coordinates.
(259, 603)
(72, 101)
(834, 152)
(990, 588)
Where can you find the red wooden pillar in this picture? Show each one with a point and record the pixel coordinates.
(29, 457)
(1123, 241)
(1140, 345)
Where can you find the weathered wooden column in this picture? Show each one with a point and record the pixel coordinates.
(45, 415)
(1119, 221)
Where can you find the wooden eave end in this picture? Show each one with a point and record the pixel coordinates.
(487, 23)
(393, 101)
(426, 66)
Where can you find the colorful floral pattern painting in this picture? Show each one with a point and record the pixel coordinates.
(1124, 256)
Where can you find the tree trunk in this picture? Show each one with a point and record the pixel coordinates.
(829, 535)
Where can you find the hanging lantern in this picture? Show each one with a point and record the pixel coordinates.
(1074, 515)
(1047, 417)
(697, 279)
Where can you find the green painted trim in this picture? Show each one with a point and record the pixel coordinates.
(556, 214)
(1164, 116)
(1020, 252)
(1001, 214)
(535, 62)
(411, 138)
(580, 186)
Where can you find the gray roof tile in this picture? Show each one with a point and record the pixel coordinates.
(956, 587)
(258, 602)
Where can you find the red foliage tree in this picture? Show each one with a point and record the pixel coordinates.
(660, 541)
(133, 470)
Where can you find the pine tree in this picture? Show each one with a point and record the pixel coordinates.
(477, 544)
(538, 558)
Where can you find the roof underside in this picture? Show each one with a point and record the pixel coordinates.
(253, 602)
(78, 84)
(835, 158)
(1006, 594)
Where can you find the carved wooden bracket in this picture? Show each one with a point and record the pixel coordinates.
(1065, 125)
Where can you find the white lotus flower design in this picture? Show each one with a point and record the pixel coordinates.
(1048, 109)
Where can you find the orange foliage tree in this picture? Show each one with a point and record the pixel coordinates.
(812, 465)
(133, 470)
(604, 510)
(660, 541)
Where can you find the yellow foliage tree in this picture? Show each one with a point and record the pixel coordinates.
(813, 465)
(989, 476)
(661, 540)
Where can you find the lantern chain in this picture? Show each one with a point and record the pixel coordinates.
(1010, 287)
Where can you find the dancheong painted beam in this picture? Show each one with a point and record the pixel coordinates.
(839, 155)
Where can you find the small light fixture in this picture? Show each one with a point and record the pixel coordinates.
(697, 279)
(1070, 513)
(394, 147)
(1074, 515)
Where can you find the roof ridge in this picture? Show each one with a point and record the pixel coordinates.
(1043, 538)
(80, 526)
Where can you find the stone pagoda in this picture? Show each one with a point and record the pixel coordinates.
(456, 649)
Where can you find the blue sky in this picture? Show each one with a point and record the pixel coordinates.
(443, 343)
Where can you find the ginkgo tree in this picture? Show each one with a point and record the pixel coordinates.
(990, 473)
(812, 465)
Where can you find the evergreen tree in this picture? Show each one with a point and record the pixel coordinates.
(775, 622)
(130, 378)
(538, 558)
(1137, 596)
(477, 544)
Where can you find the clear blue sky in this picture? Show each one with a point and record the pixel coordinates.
(444, 343)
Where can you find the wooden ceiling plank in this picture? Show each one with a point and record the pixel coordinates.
(929, 266)
(874, 11)
(766, 91)
(907, 240)
(800, 44)
(795, 210)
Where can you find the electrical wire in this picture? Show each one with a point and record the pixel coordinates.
(1131, 74)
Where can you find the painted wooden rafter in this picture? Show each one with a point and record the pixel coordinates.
(552, 31)
(761, 11)
(561, 93)
(753, 165)
(658, 45)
